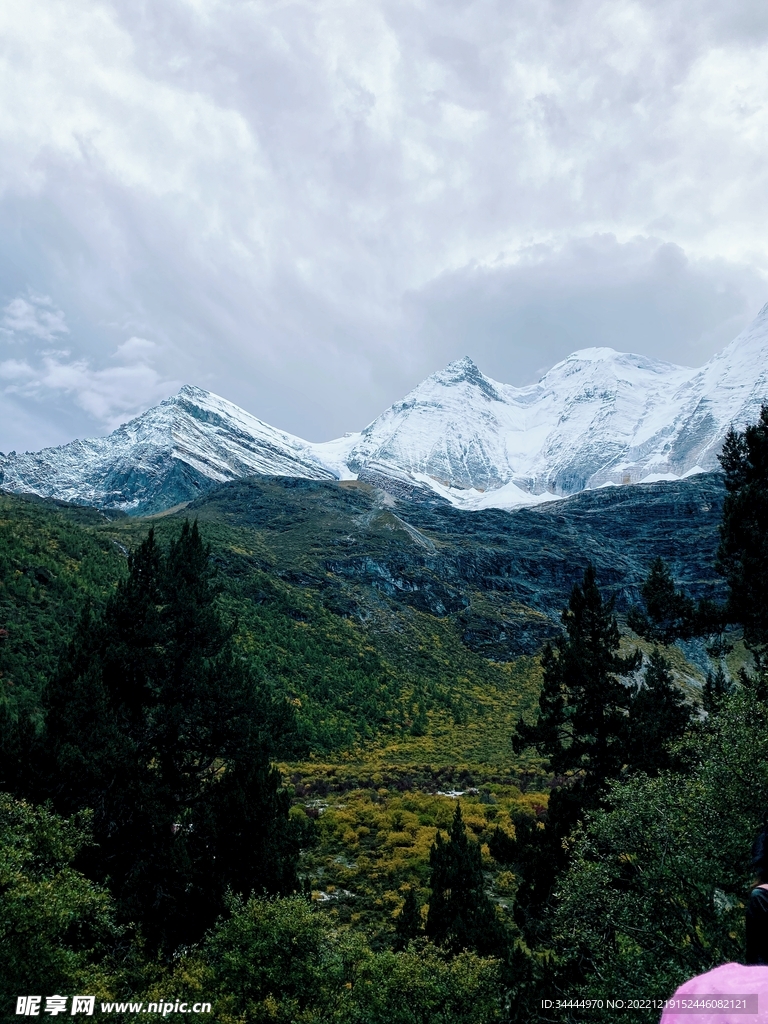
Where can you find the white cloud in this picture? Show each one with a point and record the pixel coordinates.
(135, 349)
(35, 316)
(15, 369)
(109, 395)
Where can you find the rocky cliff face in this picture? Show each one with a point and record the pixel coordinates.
(504, 576)
(598, 418)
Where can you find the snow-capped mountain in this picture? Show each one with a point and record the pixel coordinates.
(170, 454)
(597, 418)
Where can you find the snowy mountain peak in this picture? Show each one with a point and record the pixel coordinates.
(170, 454)
(465, 364)
(607, 362)
(599, 417)
(464, 369)
(460, 372)
(199, 402)
(593, 355)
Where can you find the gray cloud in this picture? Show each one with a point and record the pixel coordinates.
(645, 296)
(308, 206)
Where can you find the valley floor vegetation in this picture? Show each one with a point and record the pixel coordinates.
(229, 783)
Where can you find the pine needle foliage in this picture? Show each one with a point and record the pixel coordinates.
(669, 613)
(408, 923)
(658, 716)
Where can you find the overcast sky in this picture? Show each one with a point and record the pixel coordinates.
(307, 206)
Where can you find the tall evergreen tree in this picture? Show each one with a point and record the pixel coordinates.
(535, 854)
(658, 715)
(157, 725)
(408, 921)
(743, 551)
(581, 725)
(582, 728)
(460, 914)
(591, 726)
(716, 686)
(669, 612)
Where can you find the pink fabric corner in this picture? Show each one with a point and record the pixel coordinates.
(729, 979)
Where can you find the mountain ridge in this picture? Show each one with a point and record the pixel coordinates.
(597, 418)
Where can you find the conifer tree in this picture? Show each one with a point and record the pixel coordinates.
(669, 612)
(408, 921)
(592, 726)
(581, 725)
(716, 686)
(658, 715)
(535, 853)
(460, 914)
(743, 551)
(155, 724)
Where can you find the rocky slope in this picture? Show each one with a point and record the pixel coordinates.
(598, 418)
(504, 576)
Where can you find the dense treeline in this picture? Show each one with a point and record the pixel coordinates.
(155, 723)
(156, 727)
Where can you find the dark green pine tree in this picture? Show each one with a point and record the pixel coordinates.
(581, 725)
(156, 725)
(716, 686)
(669, 613)
(534, 854)
(408, 921)
(743, 552)
(460, 914)
(658, 715)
